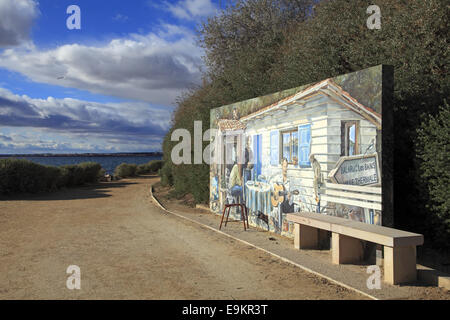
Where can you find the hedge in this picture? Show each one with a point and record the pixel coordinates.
(20, 176)
(125, 170)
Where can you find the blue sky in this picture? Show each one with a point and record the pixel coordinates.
(109, 87)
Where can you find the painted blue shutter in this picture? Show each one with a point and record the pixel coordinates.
(259, 155)
(254, 157)
(274, 149)
(255, 149)
(304, 145)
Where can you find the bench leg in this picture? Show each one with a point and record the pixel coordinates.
(345, 249)
(305, 237)
(400, 264)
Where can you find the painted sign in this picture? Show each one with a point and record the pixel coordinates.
(357, 170)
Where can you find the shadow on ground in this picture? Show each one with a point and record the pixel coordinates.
(97, 190)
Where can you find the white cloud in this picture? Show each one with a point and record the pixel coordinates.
(155, 67)
(192, 9)
(81, 123)
(120, 17)
(16, 19)
(36, 141)
(5, 138)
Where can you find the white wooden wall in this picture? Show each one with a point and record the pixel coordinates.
(325, 117)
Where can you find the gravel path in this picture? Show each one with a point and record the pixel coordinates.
(127, 248)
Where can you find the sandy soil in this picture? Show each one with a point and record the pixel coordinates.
(127, 248)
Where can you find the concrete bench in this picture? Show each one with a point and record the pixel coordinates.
(399, 246)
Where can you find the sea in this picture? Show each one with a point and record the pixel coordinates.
(109, 163)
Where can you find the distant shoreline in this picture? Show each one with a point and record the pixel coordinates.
(120, 154)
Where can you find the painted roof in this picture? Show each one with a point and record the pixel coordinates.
(326, 87)
(225, 124)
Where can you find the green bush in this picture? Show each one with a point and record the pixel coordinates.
(143, 169)
(150, 167)
(52, 175)
(72, 175)
(433, 147)
(64, 177)
(19, 176)
(166, 174)
(76, 175)
(90, 171)
(101, 173)
(125, 170)
(155, 165)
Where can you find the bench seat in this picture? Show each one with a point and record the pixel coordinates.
(399, 246)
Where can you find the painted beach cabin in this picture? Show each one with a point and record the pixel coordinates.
(304, 152)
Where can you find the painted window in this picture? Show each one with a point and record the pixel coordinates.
(304, 145)
(289, 145)
(274, 149)
(349, 138)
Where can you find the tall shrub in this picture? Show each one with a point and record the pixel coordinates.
(149, 167)
(433, 150)
(125, 170)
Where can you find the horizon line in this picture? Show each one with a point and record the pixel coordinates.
(77, 153)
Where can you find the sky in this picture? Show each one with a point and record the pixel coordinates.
(110, 86)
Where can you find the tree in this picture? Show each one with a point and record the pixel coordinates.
(243, 42)
(257, 47)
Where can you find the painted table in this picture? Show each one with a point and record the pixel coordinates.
(257, 197)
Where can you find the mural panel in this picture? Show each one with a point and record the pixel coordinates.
(314, 148)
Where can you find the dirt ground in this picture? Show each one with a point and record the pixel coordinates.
(127, 248)
(319, 260)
